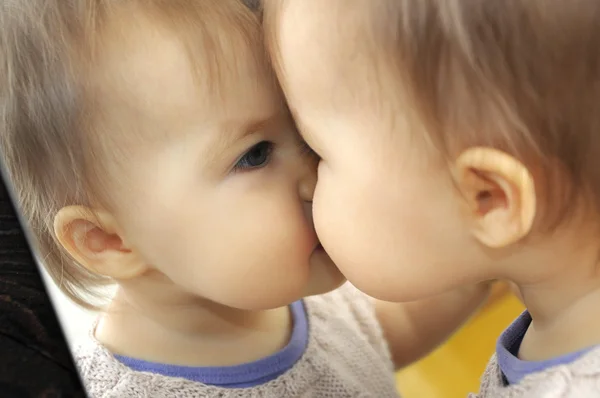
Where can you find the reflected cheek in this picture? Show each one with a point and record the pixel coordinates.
(235, 263)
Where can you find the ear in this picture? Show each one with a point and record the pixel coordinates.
(501, 195)
(92, 238)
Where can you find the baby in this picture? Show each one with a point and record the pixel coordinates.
(150, 146)
(459, 142)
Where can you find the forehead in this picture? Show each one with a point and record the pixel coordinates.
(152, 75)
(324, 55)
(146, 68)
(302, 60)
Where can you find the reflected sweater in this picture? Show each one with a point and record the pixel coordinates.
(346, 356)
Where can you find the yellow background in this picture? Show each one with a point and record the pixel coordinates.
(454, 369)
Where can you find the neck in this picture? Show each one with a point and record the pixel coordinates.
(561, 305)
(187, 330)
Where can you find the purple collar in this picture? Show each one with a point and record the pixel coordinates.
(507, 350)
(244, 375)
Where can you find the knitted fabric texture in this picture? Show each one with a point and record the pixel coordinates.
(347, 356)
(579, 379)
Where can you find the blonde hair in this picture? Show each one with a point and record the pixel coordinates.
(522, 76)
(48, 49)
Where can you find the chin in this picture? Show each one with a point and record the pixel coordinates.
(318, 284)
(399, 292)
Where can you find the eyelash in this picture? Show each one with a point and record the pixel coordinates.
(243, 164)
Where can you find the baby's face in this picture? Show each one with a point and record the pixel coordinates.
(385, 211)
(215, 192)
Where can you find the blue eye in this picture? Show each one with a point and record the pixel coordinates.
(258, 156)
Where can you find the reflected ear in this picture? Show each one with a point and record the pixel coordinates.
(501, 195)
(93, 240)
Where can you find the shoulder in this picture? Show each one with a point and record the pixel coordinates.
(578, 379)
(345, 357)
(104, 376)
(99, 370)
(330, 367)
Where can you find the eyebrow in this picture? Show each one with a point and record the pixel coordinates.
(259, 124)
(234, 130)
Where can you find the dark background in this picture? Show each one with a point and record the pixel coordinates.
(34, 357)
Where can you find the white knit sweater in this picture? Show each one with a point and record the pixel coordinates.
(579, 379)
(346, 356)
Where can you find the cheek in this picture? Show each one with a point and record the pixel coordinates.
(250, 252)
(381, 237)
(340, 219)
